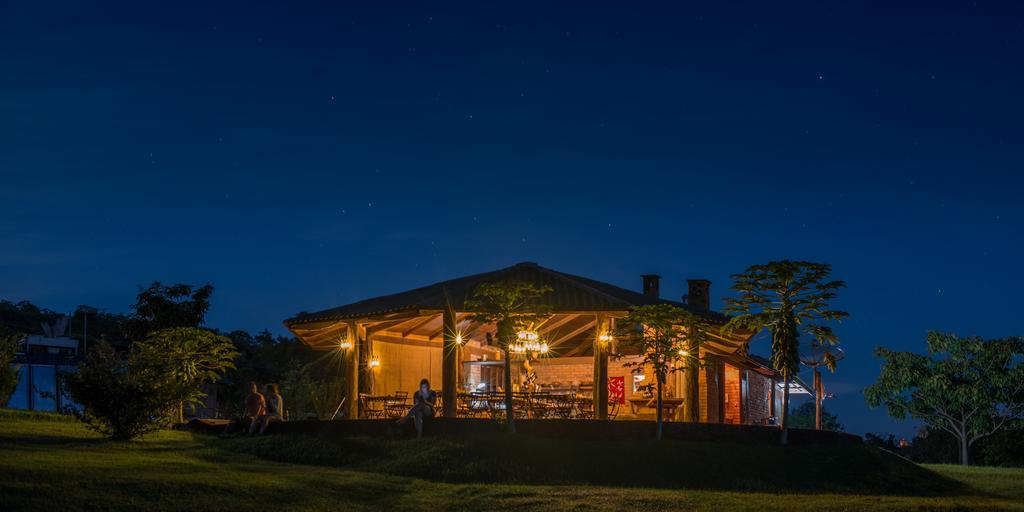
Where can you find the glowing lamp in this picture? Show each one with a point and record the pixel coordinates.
(374, 362)
(527, 335)
(683, 352)
(345, 345)
(458, 339)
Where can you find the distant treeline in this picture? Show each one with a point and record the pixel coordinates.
(935, 446)
(262, 357)
(27, 318)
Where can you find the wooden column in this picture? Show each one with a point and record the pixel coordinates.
(352, 367)
(720, 379)
(691, 384)
(369, 382)
(449, 365)
(601, 349)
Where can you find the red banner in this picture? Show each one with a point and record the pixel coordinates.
(616, 390)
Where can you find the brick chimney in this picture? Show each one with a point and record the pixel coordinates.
(698, 293)
(652, 285)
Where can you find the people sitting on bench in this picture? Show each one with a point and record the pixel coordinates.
(274, 407)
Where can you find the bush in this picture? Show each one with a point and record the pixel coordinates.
(8, 370)
(116, 399)
(128, 396)
(310, 394)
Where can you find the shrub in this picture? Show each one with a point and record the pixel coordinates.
(8, 370)
(128, 396)
(116, 399)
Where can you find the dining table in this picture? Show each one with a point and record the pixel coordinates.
(668, 405)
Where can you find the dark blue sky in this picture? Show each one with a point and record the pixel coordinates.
(304, 157)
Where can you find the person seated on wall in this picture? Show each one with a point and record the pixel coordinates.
(423, 402)
(274, 407)
(255, 406)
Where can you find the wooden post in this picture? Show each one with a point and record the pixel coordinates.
(449, 364)
(603, 326)
(691, 384)
(352, 407)
(720, 379)
(370, 384)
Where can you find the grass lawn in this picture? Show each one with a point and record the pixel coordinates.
(51, 463)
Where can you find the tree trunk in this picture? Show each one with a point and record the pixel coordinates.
(964, 451)
(660, 414)
(510, 416)
(784, 437)
(818, 395)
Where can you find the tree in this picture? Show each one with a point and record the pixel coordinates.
(789, 298)
(804, 417)
(190, 356)
(8, 370)
(511, 305)
(665, 336)
(162, 307)
(968, 387)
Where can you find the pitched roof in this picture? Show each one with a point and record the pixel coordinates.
(569, 293)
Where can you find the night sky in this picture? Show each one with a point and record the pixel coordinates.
(300, 158)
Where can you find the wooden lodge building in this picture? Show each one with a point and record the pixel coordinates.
(427, 333)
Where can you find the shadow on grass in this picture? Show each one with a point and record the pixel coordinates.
(848, 469)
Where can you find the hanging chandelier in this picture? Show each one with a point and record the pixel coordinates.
(528, 341)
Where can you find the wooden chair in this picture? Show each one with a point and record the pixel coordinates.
(397, 406)
(372, 406)
(613, 410)
(583, 408)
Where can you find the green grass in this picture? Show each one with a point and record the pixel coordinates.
(668, 464)
(48, 463)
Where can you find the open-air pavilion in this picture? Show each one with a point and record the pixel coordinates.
(391, 342)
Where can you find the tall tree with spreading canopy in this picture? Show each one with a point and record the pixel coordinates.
(790, 299)
(163, 307)
(665, 337)
(968, 387)
(511, 305)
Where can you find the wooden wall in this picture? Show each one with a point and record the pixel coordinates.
(732, 402)
(403, 365)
